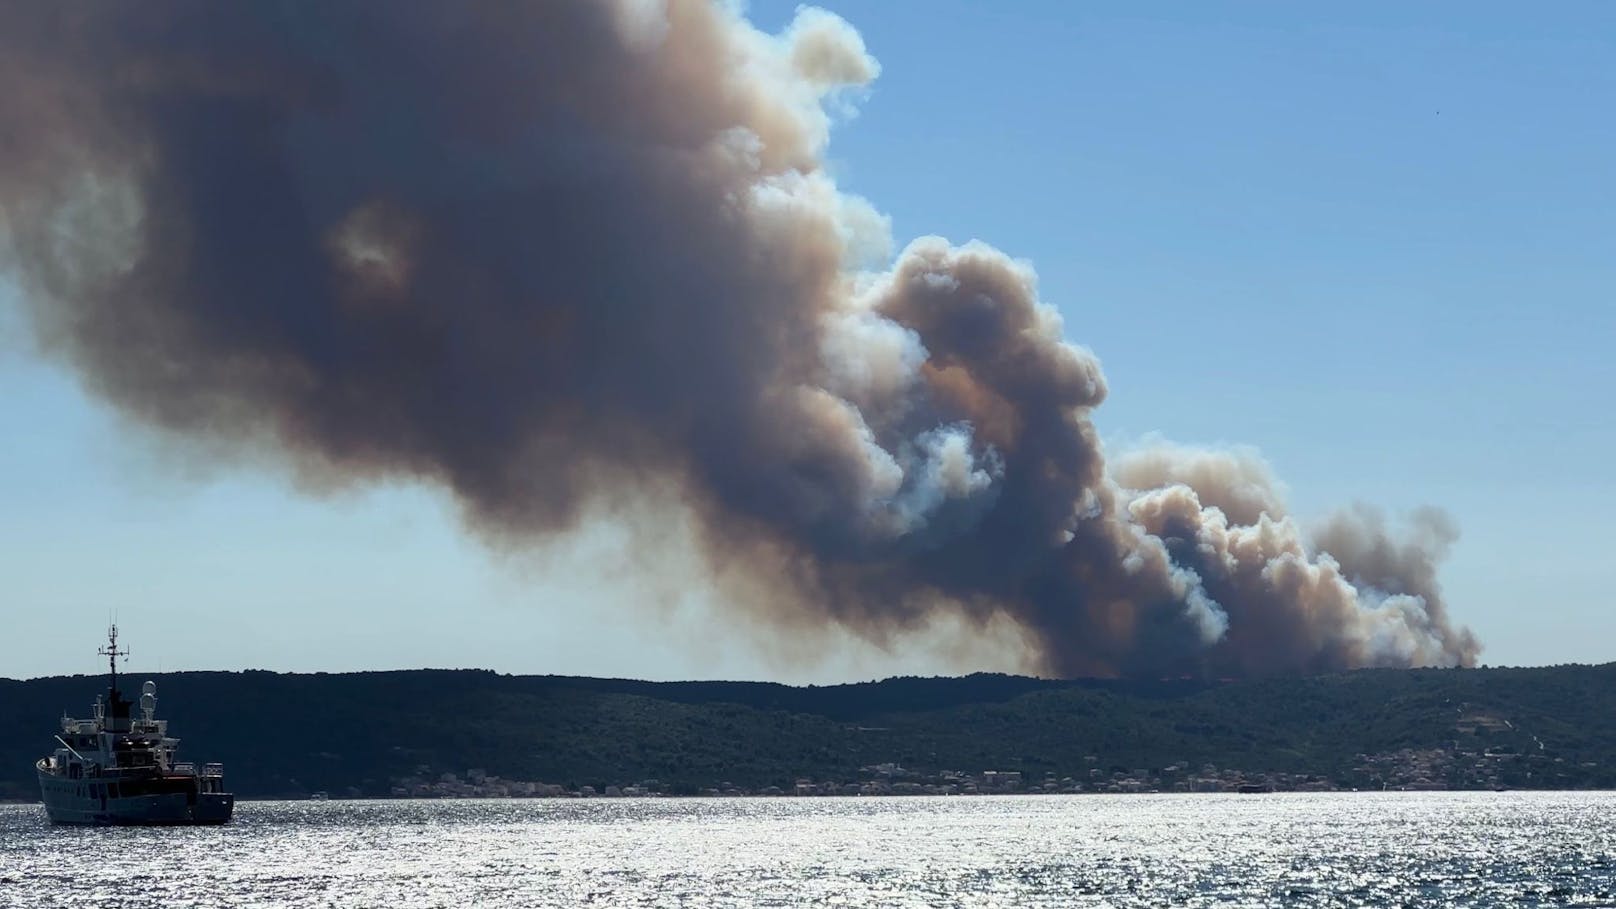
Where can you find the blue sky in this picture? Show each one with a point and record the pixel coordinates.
(1375, 242)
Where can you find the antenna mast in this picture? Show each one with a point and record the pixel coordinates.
(111, 652)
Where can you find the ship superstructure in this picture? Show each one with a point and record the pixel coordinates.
(119, 766)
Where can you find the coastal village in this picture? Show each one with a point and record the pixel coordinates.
(1408, 769)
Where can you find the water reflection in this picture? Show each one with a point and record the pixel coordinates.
(1320, 849)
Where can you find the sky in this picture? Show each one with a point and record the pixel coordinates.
(1375, 243)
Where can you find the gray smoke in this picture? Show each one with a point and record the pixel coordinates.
(546, 254)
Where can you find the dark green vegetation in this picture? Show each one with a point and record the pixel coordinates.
(292, 734)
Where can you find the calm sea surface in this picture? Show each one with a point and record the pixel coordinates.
(1370, 849)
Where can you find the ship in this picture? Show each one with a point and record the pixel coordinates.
(119, 768)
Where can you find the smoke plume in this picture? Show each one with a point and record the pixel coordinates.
(545, 254)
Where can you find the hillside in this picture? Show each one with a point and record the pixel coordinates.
(370, 733)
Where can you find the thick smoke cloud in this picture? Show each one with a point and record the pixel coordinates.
(546, 254)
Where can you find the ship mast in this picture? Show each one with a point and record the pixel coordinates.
(111, 652)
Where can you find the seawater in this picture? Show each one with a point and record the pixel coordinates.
(1319, 849)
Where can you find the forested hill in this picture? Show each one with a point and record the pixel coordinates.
(364, 733)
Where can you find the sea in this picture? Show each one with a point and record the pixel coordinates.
(1381, 849)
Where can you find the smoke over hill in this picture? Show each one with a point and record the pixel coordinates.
(544, 253)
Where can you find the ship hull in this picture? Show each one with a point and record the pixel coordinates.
(77, 802)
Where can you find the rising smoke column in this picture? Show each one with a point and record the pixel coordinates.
(551, 253)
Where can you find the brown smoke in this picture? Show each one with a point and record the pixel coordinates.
(544, 253)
